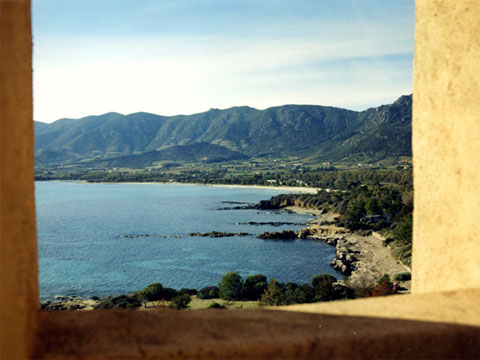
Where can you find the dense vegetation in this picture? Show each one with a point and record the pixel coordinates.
(323, 179)
(304, 131)
(197, 152)
(386, 208)
(179, 299)
(232, 287)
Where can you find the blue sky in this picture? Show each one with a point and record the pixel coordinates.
(186, 56)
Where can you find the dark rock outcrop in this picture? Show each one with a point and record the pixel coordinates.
(219, 234)
(269, 223)
(52, 305)
(282, 235)
(142, 236)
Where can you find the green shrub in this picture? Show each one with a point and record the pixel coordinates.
(403, 232)
(273, 295)
(308, 293)
(190, 292)
(293, 294)
(361, 292)
(216, 305)
(384, 287)
(230, 288)
(254, 286)
(341, 292)
(402, 240)
(323, 278)
(180, 301)
(169, 293)
(385, 279)
(208, 292)
(323, 287)
(119, 302)
(106, 303)
(405, 276)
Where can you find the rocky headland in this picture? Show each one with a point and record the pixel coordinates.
(360, 256)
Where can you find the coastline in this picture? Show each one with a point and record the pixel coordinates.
(297, 189)
(294, 189)
(365, 256)
(371, 258)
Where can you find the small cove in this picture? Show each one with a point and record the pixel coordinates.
(108, 239)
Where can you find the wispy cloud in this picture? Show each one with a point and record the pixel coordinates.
(346, 63)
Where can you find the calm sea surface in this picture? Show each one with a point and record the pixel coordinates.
(108, 239)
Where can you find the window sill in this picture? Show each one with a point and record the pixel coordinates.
(253, 334)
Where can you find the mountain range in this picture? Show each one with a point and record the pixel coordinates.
(304, 131)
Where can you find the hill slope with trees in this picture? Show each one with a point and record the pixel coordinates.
(305, 131)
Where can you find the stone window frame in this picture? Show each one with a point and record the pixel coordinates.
(446, 134)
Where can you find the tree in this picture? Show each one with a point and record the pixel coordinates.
(372, 206)
(230, 288)
(308, 293)
(323, 278)
(169, 293)
(293, 294)
(180, 301)
(323, 287)
(208, 292)
(152, 292)
(356, 211)
(403, 232)
(273, 296)
(254, 286)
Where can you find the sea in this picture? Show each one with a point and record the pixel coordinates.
(109, 239)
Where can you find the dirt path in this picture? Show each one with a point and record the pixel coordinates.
(374, 260)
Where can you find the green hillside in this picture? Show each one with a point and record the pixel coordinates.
(305, 131)
(197, 152)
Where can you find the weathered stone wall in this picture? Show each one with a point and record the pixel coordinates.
(446, 146)
(18, 247)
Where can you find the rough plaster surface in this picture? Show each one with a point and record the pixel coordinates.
(446, 251)
(18, 248)
(454, 307)
(446, 146)
(253, 334)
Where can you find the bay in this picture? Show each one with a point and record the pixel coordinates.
(109, 239)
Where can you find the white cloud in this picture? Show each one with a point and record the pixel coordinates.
(75, 77)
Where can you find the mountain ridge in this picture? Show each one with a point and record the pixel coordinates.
(322, 132)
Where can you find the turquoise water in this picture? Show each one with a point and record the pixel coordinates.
(108, 239)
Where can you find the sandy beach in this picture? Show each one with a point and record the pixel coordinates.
(290, 189)
(295, 189)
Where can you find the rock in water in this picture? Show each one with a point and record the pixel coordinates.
(282, 235)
